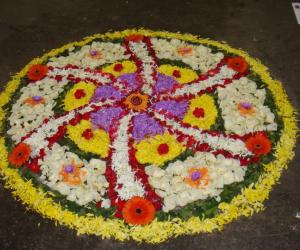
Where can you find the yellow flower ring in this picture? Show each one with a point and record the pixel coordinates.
(203, 113)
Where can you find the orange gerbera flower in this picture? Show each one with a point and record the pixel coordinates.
(259, 144)
(138, 211)
(238, 64)
(20, 154)
(37, 72)
(137, 101)
(245, 108)
(71, 173)
(197, 177)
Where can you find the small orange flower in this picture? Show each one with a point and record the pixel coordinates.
(71, 173)
(37, 72)
(245, 108)
(137, 101)
(95, 54)
(186, 50)
(259, 144)
(20, 154)
(238, 64)
(135, 37)
(138, 211)
(197, 177)
(35, 100)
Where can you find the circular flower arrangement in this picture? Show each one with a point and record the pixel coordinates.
(145, 135)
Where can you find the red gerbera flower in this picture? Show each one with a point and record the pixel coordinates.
(259, 144)
(138, 211)
(238, 64)
(20, 154)
(135, 37)
(37, 72)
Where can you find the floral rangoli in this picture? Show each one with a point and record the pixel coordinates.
(145, 135)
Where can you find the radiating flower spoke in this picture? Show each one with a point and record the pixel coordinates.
(96, 76)
(141, 52)
(220, 142)
(216, 78)
(37, 138)
(74, 73)
(127, 185)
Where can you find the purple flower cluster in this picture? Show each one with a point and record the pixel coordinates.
(104, 118)
(105, 92)
(143, 126)
(173, 107)
(164, 83)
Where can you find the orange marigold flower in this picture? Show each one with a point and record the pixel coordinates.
(238, 64)
(138, 211)
(197, 177)
(20, 154)
(37, 72)
(259, 144)
(137, 101)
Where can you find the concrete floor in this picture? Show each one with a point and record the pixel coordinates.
(267, 29)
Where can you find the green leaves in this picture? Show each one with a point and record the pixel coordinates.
(59, 106)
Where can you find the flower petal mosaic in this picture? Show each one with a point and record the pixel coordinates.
(144, 135)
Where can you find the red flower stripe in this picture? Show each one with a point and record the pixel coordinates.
(110, 174)
(140, 173)
(166, 97)
(139, 63)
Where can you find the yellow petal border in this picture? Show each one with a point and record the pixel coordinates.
(245, 204)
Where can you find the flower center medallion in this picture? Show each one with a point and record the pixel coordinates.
(136, 101)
